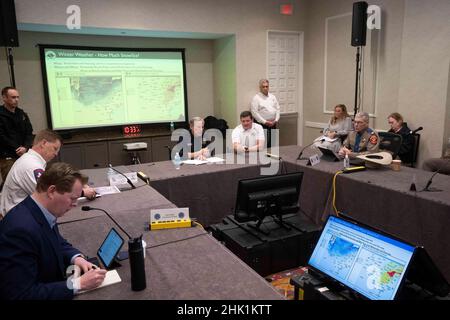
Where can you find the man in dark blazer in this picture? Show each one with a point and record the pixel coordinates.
(33, 255)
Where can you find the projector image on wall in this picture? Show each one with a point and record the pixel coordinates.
(135, 146)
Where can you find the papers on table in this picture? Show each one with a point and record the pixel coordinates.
(111, 277)
(327, 139)
(118, 179)
(106, 190)
(208, 160)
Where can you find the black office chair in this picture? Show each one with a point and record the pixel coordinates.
(390, 142)
(415, 150)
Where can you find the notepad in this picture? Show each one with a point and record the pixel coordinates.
(111, 277)
(207, 160)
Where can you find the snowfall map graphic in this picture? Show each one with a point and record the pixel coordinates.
(372, 274)
(376, 275)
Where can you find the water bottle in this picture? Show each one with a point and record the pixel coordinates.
(109, 174)
(137, 264)
(172, 127)
(177, 161)
(346, 161)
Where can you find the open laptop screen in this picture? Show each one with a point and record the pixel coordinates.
(370, 263)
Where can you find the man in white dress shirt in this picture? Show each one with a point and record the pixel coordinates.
(248, 136)
(265, 109)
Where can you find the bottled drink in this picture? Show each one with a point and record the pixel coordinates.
(172, 126)
(346, 161)
(137, 264)
(109, 174)
(177, 161)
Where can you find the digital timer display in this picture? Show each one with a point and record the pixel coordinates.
(131, 129)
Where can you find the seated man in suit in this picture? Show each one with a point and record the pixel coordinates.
(33, 254)
(249, 135)
(22, 178)
(363, 140)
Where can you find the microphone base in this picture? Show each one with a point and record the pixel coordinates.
(432, 190)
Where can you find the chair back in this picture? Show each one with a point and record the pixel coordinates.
(390, 142)
(415, 150)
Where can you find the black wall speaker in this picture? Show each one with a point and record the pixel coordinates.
(8, 24)
(359, 23)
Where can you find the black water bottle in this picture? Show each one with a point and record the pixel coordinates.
(137, 264)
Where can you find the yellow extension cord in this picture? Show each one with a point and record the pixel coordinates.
(334, 192)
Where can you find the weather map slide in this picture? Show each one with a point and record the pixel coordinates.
(362, 259)
(91, 88)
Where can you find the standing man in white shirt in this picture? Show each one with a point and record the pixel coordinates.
(248, 136)
(265, 109)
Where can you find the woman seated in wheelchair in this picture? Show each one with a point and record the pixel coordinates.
(337, 129)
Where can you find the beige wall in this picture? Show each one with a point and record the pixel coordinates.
(225, 79)
(424, 71)
(410, 72)
(199, 68)
(248, 20)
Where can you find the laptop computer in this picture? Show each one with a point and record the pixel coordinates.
(372, 263)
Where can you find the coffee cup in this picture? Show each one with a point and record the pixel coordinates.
(396, 165)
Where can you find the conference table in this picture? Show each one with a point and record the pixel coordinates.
(378, 197)
(180, 264)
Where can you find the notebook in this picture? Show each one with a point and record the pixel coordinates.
(111, 277)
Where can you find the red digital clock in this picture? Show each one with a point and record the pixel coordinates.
(131, 130)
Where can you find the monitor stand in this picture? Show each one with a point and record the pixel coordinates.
(256, 226)
(279, 220)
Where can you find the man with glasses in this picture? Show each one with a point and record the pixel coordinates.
(363, 140)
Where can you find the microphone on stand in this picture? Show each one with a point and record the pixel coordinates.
(417, 130)
(88, 208)
(301, 152)
(128, 180)
(135, 255)
(429, 182)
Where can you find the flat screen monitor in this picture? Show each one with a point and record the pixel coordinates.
(265, 196)
(110, 248)
(91, 87)
(360, 258)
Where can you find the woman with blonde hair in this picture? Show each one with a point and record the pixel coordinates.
(337, 129)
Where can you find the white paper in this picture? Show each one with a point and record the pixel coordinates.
(195, 162)
(214, 160)
(111, 277)
(327, 139)
(106, 190)
(118, 179)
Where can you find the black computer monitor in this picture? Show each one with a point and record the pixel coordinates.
(265, 196)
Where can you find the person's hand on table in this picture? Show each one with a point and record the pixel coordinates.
(89, 192)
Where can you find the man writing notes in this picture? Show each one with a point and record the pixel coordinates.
(33, 254)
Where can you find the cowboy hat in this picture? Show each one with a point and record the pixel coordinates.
(376, 159)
